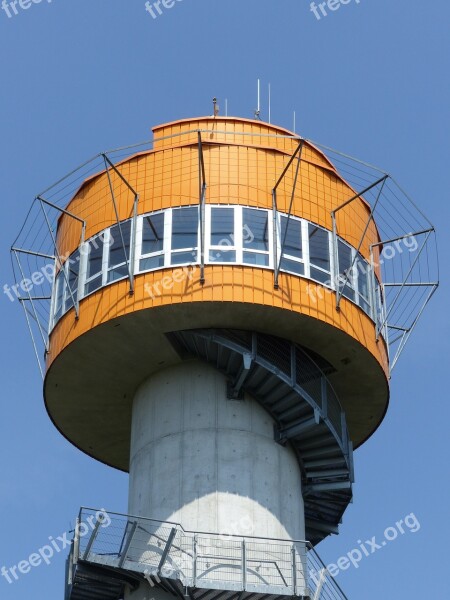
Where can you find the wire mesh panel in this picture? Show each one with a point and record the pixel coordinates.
(269, 563)
(321, 585)
(155, 549)
(219, 561)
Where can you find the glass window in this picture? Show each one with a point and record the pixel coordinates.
(319, 249)
(256, 258)
(94, 265)
(222, 235)
(255, 229)
(184, 228)
(380, 309)
(291, 237)
(153, 233)
(182, 258)
(291, 245)
(292, 265)
(73, 270)
(119, 251)
(152, 242)
(222, 226)
(255, 242)
(346, 272)
(59, 295)
(363, 269)
(319, 254)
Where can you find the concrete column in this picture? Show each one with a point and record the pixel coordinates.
(209, 463)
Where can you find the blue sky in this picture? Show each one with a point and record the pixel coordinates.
(370, 79)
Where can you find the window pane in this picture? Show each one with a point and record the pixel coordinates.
(363, 268)
(291, 237)
(117, 253)
(222, 226)
(94, 284)
(320, 276)
(153, 262)
(181, 258)
(380, 306)
(73, 268)
(118, 273)
(319, 251)
(59, 294)
(95, 257)
(184, 228)
(153, 233)
(364, 305)
(345, 274)
(222, 255)
(254, 258)
(255, 229)
(293, 266)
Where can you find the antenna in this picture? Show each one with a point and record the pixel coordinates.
(216, 107)
(259, 96)
(258, 110)
(270, 104)
(226, 107)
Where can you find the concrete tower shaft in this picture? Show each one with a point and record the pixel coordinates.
(208, 462)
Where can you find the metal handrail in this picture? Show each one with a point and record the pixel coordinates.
(282, 565)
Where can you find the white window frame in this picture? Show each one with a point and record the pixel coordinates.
(332, 283)
(195, 250)
(139, 255)
(237, 246)
(267, 252)
(236, 236)
(104, 235)
(107, 243)
(287, 256)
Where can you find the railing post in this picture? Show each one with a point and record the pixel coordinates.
(194, 570)
(76, 541)
(244, 566)
(92, 538)
(124, 552)
(294, 571)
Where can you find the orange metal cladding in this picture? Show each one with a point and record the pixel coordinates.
(243, 160)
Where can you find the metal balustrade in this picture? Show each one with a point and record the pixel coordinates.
(160, 552)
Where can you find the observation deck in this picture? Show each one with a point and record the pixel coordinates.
(121, 550)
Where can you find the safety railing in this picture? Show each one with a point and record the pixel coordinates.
(162, 550)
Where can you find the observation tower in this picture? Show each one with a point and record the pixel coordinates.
(226, 305)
